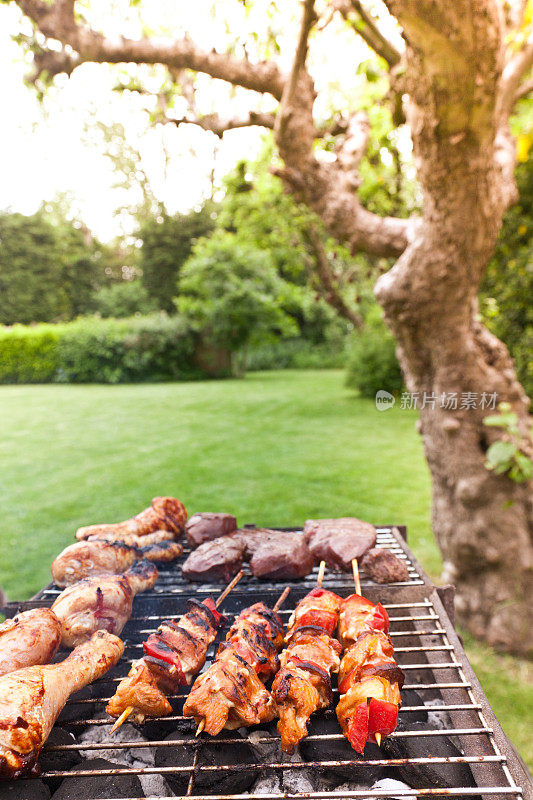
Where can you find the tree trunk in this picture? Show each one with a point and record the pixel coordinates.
(483, 522)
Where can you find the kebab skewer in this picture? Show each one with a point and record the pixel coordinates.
(369, 677)
(173, 655)
(231, 693)
(303, 684)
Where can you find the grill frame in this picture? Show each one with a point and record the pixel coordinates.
(436, 651)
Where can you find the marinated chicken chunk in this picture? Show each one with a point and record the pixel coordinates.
(32, 637)
(165, 513)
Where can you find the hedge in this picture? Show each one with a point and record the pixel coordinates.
(94, 350)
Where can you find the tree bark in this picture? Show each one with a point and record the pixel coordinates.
(483, 522)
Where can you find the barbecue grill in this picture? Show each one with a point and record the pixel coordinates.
(448, 742)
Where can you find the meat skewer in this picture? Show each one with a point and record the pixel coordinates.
(231, 693)
(303, 684)
(164, 514)
(98, 557)
(32, 637)
(173, 655)
(32, 698)
(101, 602)
(369, 677)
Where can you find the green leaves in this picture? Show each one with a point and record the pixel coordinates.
(505, 455)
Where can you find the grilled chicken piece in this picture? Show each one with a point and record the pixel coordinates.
(165, 513)
(99, 557)
(229, 695)
(358, 615)
(339, 541)
(102, 602)
(303, 684)
(32, 637)
(173, 655)
(133, 539)
(31, 699)
(139, 691)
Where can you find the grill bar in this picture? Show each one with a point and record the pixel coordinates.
(428, 651)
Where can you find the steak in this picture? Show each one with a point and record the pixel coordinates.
(204, 527)
(272, 554)
(219, 559)
(382, 566)
(339, 541)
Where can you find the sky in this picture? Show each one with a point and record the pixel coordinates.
(53, 147)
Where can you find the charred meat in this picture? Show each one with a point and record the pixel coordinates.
(204, 527)
(382, 566)
(32, 698)
(173, 655)
(231, 693)
(32, 637)
(339, 541)
(164, 514)
(218, 560)
(303, 684)
(101, 602)
(370, 679)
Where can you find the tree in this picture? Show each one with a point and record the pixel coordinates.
(233, 293)
(460, 67)
(167, 242)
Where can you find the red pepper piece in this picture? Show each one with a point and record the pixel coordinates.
(323, 619)
(210, 603)
(380, 620)
(152, 647)
(382, 718)
(358, 728)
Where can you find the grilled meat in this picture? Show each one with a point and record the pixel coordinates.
(303, 684)
(203, 527)
(164, 514)
(139, 691)
(369, 679)
(382, 566)
(31, 699)
(32, 637)
(161, 552)
(134, 539)
(232, 693)
(102, 602)
(339, 541)
(272, 554)
(218, 560)
(172, 657)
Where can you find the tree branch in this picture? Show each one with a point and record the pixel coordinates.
(368, 30)
(515, 69)
(523, 90)
(219, 125)
(56, 21)
(326, 284)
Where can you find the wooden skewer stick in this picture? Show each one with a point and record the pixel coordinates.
(281, 599)
(355, 568)
(201, 726)
(122, 719)
(378, 738)
(320, 577)
(231, 585)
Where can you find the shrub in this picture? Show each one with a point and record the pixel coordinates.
(92, 350)
(372, 362)
(123, 299)
(28, 355)
(295, 353)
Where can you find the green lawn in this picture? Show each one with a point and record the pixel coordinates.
(274, 449)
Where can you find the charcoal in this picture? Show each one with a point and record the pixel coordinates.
(211, 753)
(422, 775)
(340, 750)
(59, 760)
(155, 786)
(128, 756)
(98, 787)
(411, 698)
(269, 783)
(297, 781)
(389, 785)
(24, 790)
(266, 746)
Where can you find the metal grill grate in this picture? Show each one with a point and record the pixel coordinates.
(426, 648)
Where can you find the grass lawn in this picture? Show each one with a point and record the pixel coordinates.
(275, 448)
